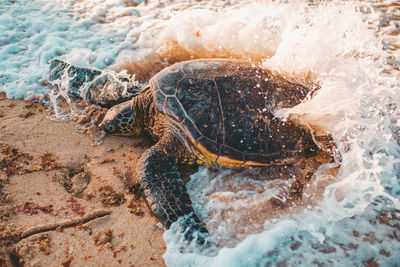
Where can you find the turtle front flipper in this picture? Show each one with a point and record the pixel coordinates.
(165, 192)
(105, 88)
(77, 77)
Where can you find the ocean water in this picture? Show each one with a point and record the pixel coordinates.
(351, 49)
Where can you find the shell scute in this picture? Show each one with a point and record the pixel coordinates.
(289, 139)
(174, 109)
(191, 129)
(159, 99)
(168, 86)
(202, 106)
(246, 117)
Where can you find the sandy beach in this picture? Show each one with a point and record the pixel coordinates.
(66, 202)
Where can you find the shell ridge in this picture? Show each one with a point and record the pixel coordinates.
(222, 111)
(177, 86)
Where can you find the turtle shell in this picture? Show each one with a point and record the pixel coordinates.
(225, 108)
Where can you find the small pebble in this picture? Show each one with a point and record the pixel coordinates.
(9, 198)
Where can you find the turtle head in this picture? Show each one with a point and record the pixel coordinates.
(121, 120)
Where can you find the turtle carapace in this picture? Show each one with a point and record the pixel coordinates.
(215, 112)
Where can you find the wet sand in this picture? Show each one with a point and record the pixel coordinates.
(65, 202)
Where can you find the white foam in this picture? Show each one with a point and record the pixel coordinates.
(33, 32)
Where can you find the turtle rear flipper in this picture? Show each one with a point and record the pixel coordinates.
(165, 192)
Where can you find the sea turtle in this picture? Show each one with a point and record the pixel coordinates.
(217, 112)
